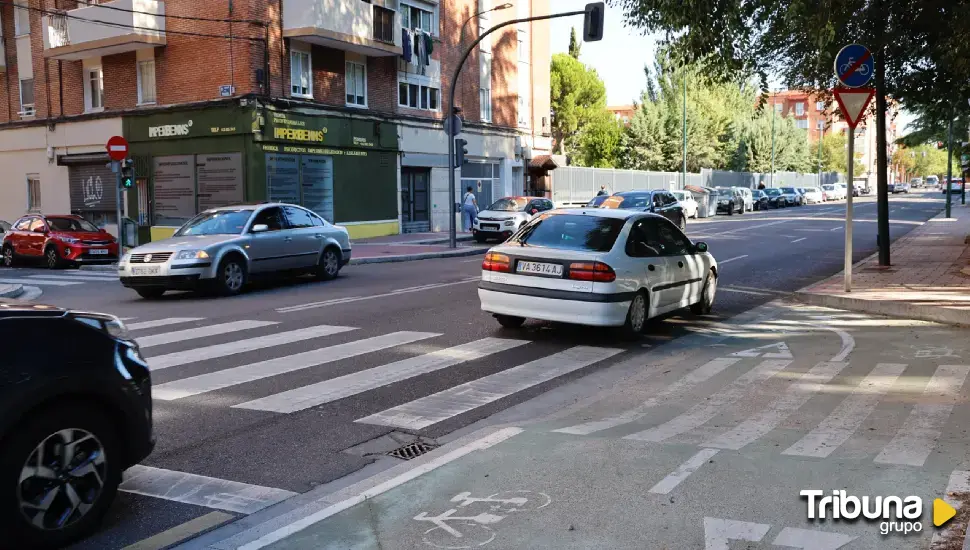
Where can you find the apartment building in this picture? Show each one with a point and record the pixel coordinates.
(623, 113)
(334, 104)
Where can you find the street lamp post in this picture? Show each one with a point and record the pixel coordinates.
(461, 35)
(683, 184)
(820, 132)
(771, 179)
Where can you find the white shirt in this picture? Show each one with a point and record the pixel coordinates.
(469, 199)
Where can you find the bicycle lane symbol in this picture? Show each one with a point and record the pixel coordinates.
(453, 531)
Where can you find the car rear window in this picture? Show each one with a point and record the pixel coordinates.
(572, 232)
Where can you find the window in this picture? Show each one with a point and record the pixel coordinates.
(297, 217)
(819, 105)
(803, 124)
(356, 84)
(523, 46)
(21, 21)
(485, 100)
(27, 97)
(778, 107)
(300, 74)
(146, 82)
(820, 125)
(413, 17)
(23, 224)
(33, 194)
(572, 232)
(93, 89)
(523, 110)
(653, 237)
(383, 24)
(271, 217)
(417, 96)
(37, 224)
(799, 109)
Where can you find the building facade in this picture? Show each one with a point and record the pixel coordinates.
(339, 108)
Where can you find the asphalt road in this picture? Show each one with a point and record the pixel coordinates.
(256, 444)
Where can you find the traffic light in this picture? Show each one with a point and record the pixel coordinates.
(460, 151)
(127, 174)
(940, 145)
(593, 25)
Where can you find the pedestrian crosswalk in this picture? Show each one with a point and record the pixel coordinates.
(47, 278)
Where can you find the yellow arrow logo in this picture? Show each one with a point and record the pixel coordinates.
(942, 512)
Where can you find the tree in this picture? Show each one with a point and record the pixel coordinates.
(577, 96)
(835, 154)
(923, 160)
(573, 44)
(599, 141)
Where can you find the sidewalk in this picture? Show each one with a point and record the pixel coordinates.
(11, 291)
(929, 278)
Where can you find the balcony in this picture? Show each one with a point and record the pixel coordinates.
(349, 25)
(73, 35)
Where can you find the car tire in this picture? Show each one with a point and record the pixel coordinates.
(44, 428)
(510, 321)
(636, 316)
(706, 304)
(231, 277)
(480, 239)
(329, 265)
(9, 257)
(51, 259)
(683, 223)
(150, 293)
(730, 209)
(743, 209)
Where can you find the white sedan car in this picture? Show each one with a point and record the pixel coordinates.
(686, 199)
(813, 195)
(601, 267)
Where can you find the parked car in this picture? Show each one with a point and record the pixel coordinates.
(932, 181)
(776, 199)
(956, 186)
(916, 182)
(59, 241)
(602, 267)
(221, 248)
(4, 227)
(833, 192)
(729, 201)
(747, 198)
(792, 196)
(686, 199)
(760, 199)
(75, 412)
(657, 201)
(812, 195)
(506, 215)
(898, 187)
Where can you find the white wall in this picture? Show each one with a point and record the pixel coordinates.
(150, 14)
(350, 17)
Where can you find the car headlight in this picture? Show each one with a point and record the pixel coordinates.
(192, 255)
(69, 240)
(108, 323)
(509, 222)
(723, 202)
(125, 258)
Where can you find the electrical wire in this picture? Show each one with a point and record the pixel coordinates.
(185, 17)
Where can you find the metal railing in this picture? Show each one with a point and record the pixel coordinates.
(58, 33)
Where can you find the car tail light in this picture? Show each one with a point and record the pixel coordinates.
(592, 271)
(496, 262)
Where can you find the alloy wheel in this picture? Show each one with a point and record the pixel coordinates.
(330, 263)
(61, 479)
(638, 313)
(51, 258)
(233, 276)
(8, 257)
(710, 289)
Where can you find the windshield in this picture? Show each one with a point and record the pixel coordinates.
(219, 222)
(572, 232)
(724, 193)
(757, 193)
(828, 187)
(597, 201)
(638, 200)
(772, 192)
(71, 225)
(508, 204)
(787, 189)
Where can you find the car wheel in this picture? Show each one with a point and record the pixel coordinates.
(731, 209)
(150, 293)
(231, 276)
(706, 304)
(52, 259)
(8, 256)
(742, 210)
(509, 321)
(329, 266)
(683, 223)
(480, 239)
(636, 316)
(59, 473)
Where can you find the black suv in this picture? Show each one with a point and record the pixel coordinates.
(75, 412)
(657, 201)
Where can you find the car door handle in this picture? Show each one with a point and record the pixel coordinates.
(651, 267)
(318, 236)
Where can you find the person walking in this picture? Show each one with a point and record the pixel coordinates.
(761, 185)
(469, 209)
(603, 191)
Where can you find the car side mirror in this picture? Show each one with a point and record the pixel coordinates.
(41, 230)
(700, 246)
(534, 211)
(102, 230)
(260, 228)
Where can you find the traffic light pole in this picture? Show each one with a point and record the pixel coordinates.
(949, 166)
(116, 166)
(450, 108)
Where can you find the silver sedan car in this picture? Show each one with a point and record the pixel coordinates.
(221, 248)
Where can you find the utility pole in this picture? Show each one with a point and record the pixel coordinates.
(820, 130)
(771, 179)
(683, 184)
(949, 166)
(882, 183)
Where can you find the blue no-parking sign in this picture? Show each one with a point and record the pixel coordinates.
(854, 66)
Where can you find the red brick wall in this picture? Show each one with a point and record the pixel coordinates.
(122, 74)
(328, 75)
(10, 94)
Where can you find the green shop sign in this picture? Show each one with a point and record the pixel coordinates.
(190, 124)
(319, 130)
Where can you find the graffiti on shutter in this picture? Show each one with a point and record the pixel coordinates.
(92, 188)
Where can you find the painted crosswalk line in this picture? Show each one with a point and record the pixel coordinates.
(359, 382)
(200, 332)
(162, 322)
(81, 278)
(41, 282)
(424, 412)
(280, 365)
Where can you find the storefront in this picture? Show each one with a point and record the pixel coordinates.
(189, 161)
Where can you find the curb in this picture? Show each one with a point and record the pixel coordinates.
(413, 257)
(111, 268)
(13, 291)
(436, 240)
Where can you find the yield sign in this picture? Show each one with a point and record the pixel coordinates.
(770, 351)
(853, 103)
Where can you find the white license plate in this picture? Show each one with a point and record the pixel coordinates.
(98, 251)
(147, 270)
(539, 268)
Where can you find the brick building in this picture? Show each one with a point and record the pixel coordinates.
(253, 100)
(623, 113)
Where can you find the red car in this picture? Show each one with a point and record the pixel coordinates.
(59, 241)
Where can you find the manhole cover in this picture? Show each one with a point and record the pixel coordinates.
(412, 450)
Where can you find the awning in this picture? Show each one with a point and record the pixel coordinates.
(543, 162)
(83, 158)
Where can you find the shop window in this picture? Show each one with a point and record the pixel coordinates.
(146, 82)
(301, 78)
(356, 84)
(21, 22)
(93, 89)
(33, 193)
(417, 96)
(27, 97)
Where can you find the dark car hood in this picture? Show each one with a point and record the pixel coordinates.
(17, 308)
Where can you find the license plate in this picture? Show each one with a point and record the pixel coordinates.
(539, 268)
(147, 270)
(98, 251)
(490, 226)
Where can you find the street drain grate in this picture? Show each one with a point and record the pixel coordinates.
(412, 450)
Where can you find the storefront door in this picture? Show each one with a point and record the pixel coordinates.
(415, 211)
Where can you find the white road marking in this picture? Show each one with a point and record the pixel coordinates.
(959, 483)
(837, 229)
(798, 394)
(349, 299)
(737, 291)
(839, 426)
(162, 322)
(811, 230)
(39, 282)
(81, 278)
(200, 332)
(209, 492)
(694, 377)
(241, 346)
(682, 472)
(811, 539)
(280, 365)
(781, 351)
(316, 517)
(722, 262)
(799, 240)
(424, 412)
(768, 290)
(702, 413)
(718, 532)
(747, 227)
(915, 440)
(327, 391)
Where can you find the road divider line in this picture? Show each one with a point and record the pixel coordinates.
(768, 290)
(799, 240)
(336, 301)
(738, 291)
(917, 437)
(209, 492)
(702, 413)
(837, 229)
(761, 423)
(241, 346)
(201, 332)
(675, 478)
(281, 365)
(722, 262)
(177, 534)
(438, 407)
(302, 398)
(700, 374)
(162, 322)
(28, 281)
(839, 426)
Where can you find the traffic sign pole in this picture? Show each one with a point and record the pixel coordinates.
(850, 166)
(853, 103)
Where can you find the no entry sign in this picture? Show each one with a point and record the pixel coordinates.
(117, 148)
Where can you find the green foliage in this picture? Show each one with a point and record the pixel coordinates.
(573, 44)
(582, 127)
(599, 141)
(924, 160)
(835, 154)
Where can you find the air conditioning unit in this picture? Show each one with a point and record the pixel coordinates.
(519, 143)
